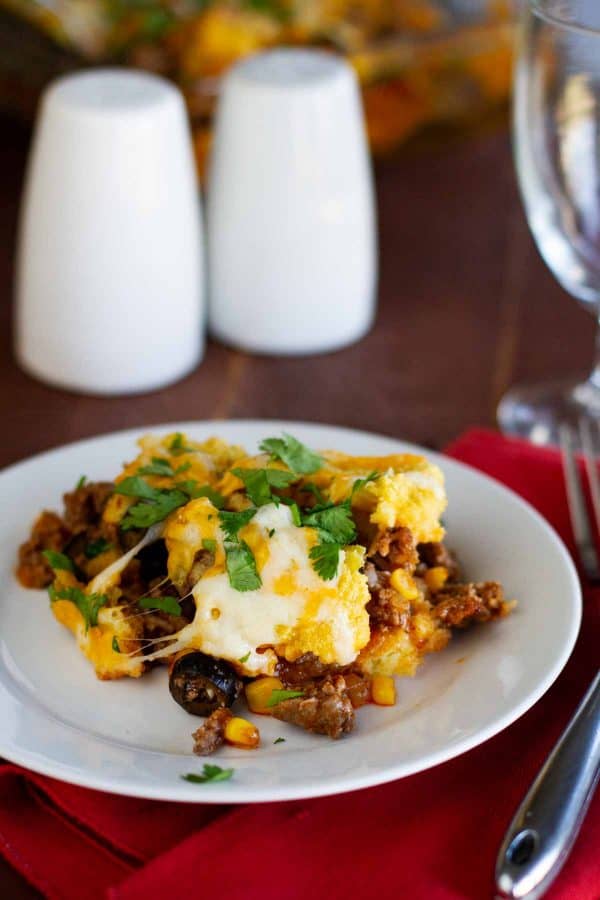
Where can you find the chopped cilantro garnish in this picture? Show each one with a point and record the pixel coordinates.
(325, 559)
(360, 483)
(279, 740)
(134, 486)
(88, 604)
(95, 548)
(209, 544)
(57, 560)
(143, 515)
(162, 467)
(165, 604)
(194, 490)
(232, 522)
(158, 466)
(279, 696)
(81, 482)
(241, 566)
(156, 504)
(177, 446)
(245, 658)
(335, 523)
(209, 774)
(271, 532)
(115, 645)
(259, 482)
(295, 511)
(297, 457)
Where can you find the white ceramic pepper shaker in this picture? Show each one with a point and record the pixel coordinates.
(290, 207)
(110, 286)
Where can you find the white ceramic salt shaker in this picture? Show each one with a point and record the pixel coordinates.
(110, 268)
(290, 207)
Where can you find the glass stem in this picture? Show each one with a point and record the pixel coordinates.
(594, 379)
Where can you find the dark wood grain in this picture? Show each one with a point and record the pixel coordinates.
(465, 308)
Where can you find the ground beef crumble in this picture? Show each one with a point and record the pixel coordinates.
(394, 550)
(386, 606)
(84, 506)
(82, 514)
(305, 668)
(458, 605)
(325, 708)
(436, 554)
(211, 734)
(49, 532)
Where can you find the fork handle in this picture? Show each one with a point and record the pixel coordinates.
(544, 829)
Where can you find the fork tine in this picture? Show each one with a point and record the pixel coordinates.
(589, 444)
(580, 520)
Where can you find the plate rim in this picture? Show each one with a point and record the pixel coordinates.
(183, 792)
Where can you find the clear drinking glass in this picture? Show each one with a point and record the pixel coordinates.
(556, 131)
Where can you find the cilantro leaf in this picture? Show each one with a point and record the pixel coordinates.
(81, 482)
(88, 605)
(158, 466)
(209, 544)
(178, 446)
(335, 523)
(192, 489)
(279, 740)
(143, 515)
(232, 522)
(209, 774)
(95, 548)
(258, 483)
(58, 561)
(241, 567)
(134, 486)
(156, 504)
(325, 559)
(297, 457)
(245, 658)
(164, 604)
(360, 483)
(279, 696)
(115, 645)
(294, 510)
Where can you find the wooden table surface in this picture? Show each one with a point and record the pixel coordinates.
(466, 308)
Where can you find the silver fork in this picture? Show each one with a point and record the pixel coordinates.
(545, 827)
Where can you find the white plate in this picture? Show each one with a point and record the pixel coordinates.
(129, 737)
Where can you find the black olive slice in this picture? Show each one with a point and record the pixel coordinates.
(201, 684)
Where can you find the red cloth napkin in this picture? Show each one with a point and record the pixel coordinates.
(433, 836)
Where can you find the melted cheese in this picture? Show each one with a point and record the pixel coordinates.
(409, 491)
(202, 462)
(185, 533)
(97, 642)
(293, 612)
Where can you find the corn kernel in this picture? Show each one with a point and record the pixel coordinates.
(436, 578)
(404, 583)
(242, 733)
(383, 690)
(258, 693)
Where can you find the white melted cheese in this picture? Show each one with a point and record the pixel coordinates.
(111, 575)
(292, 606)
